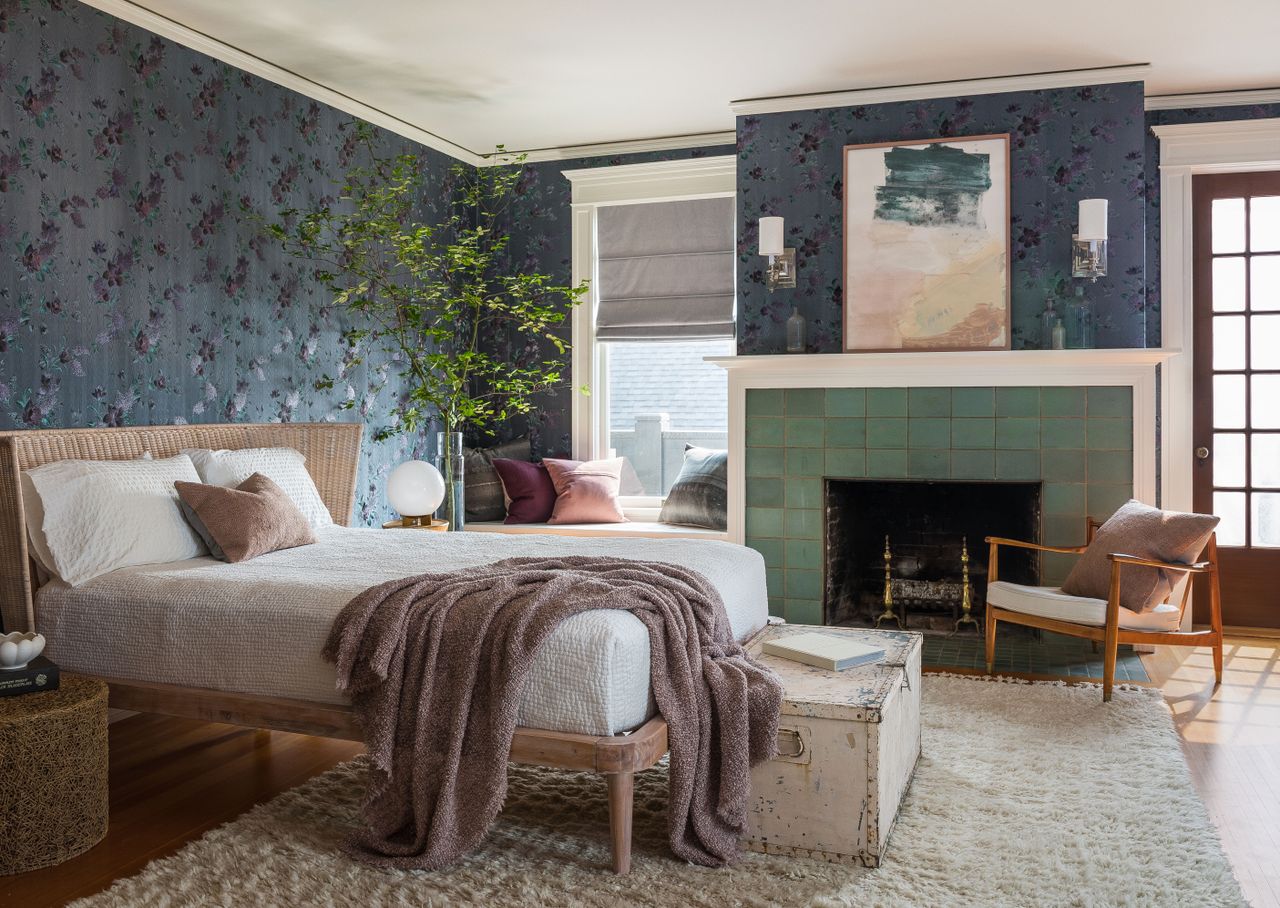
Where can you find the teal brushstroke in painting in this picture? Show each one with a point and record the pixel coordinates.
(934, 186)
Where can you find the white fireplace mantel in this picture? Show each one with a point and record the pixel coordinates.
(1134, 368)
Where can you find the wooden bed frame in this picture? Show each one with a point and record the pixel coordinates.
(333, 452)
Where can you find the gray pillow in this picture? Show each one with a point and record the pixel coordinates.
(480, 482)
(1147, 532)
(700, 496)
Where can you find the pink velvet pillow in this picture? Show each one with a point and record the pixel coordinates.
(586, 491)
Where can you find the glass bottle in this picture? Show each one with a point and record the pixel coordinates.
(796, 331)
(1058, 340)
(1049, 319)
(449, 463)
(1080, 323)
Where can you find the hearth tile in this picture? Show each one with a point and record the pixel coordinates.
(803, 553)
(764, 402)
(886, 464)
(973, 465)
(772, 550)
(764, 430)
(1067, 433)
(1055, 566)
(846, 433)
(1017, 401)
(928, 464)
(775, 581)
(886, 401)
(1110, 434)
(1017, 465)
(929, 402)
(1105, 498)
(886, 433)
(803, 584)
(804, 461)
(764, 521)
(804, 611)
(777, 606)
(802, 524)
(1062, 401)
(973, 433)
(765, 461)
(1017, 432)
(1063, 530)
(1063, 498)
(804, 492)
(1061, 465)
(846, 402)
(805, 432)
(804, 402)
(973, 402)
(1111, 466)
(929, 433)
(1111, 401)
(765, 492)
(846, 462)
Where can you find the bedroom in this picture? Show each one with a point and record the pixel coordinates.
(847, 304)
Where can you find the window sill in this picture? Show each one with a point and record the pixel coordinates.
(634, 528)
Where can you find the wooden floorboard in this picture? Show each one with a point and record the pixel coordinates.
(174, 779)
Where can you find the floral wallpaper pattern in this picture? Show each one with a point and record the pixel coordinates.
(134, 288)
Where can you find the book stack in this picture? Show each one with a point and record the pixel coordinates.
(37, 676)
(823, 651)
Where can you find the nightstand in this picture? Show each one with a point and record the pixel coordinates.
(438, 525)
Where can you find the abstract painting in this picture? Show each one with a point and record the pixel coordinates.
(926, 245)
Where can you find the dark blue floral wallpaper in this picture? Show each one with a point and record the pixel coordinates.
(1065, 145)
(133, 289)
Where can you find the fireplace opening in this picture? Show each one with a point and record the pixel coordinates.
(929, 525)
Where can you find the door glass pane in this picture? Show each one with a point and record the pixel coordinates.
(1264, 342)
(1228, 225)
(1264, 223)
(1264, 293)
(1265, 468)
(1228, 284)
(1228, 459)
(1230, 507)
(1228, 342)
(1266, 519)
(1228, 401)
(1265, 394)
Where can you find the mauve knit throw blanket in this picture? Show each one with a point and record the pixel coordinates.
(435, 666)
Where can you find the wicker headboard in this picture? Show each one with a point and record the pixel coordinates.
(332, 451)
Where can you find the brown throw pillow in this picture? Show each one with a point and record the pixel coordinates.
(250, 520)
(1147, 532)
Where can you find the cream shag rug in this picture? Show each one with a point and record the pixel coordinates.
(1026, 794)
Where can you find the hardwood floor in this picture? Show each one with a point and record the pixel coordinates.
(173, 779)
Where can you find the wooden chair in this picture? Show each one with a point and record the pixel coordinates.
(1107, 623)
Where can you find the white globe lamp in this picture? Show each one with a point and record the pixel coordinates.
(415, 489)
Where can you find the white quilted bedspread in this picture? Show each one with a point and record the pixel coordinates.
(258, 627)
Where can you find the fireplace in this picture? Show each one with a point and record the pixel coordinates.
(929, 525)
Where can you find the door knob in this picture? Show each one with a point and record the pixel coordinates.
(1202, 453)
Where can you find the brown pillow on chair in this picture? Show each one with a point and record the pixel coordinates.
(250, 520)
(1147, 532)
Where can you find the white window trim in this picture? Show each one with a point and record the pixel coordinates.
(625, 184)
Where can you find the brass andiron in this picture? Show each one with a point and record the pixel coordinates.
(966, 598)
(888, 614)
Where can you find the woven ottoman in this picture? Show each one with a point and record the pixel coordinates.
(53, 774)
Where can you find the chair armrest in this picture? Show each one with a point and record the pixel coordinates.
(1019, 544)
(1198, 567)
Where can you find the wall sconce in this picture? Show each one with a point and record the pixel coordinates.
(1089, 245)
(782, 262)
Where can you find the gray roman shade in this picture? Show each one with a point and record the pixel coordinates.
(665, 270)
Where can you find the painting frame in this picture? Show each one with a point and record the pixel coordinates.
(1002, 182)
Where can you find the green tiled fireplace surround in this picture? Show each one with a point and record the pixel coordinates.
(1078, 441)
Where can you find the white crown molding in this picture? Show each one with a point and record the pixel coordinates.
(609, 149)
(653, 182)
(985, 86)
(1214, 99)
(1222, 146)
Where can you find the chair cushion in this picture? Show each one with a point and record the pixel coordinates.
(1052, 602)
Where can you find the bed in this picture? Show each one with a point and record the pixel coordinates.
(240, 643)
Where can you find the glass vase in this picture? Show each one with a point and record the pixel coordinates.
(449, 463)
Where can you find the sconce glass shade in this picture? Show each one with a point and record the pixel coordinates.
(771, 241)
(415, 488)
(1093, 220)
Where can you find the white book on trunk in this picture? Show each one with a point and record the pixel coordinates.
(823, 651)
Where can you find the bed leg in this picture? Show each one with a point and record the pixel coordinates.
(621, 796)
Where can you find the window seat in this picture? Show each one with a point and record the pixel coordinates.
(640, 528)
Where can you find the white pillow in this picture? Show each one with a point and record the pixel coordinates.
(285, 467)
(101, 515)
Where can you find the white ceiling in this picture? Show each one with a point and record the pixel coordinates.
(556, 73)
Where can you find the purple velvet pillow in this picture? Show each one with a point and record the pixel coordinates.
(531, 496)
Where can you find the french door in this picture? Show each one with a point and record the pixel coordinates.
(1236, 234)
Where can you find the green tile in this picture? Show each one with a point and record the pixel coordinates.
(1111, 466)
(887, 464)
(929, 402)
(1110, 434)
(1017, 401)
(804, 611)
(764, 430)
(846, 433)
(886, 433)
(1063, 498)
(777, 606)
(1062, 433)
(1017, 432)
(846, 462)
(1105, 498)
(804, 584)
(973, 402)
(929, 432)
(846, 402)
(770, 549)
(1062, 401)
(765, 492)
(1063, 530)
(1062, 466)
(973, 433)
(805, 554)
(928, 464)
(804, 462)
(804, 492)
(804, 402)
(886, 401)
(1111, 402)
(973, 464)
(765, 461)
(764, 521)
(1054, 567)
(764, 402)
(775, 581)
(803, 524)
(1016, 465)
(805, 432)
